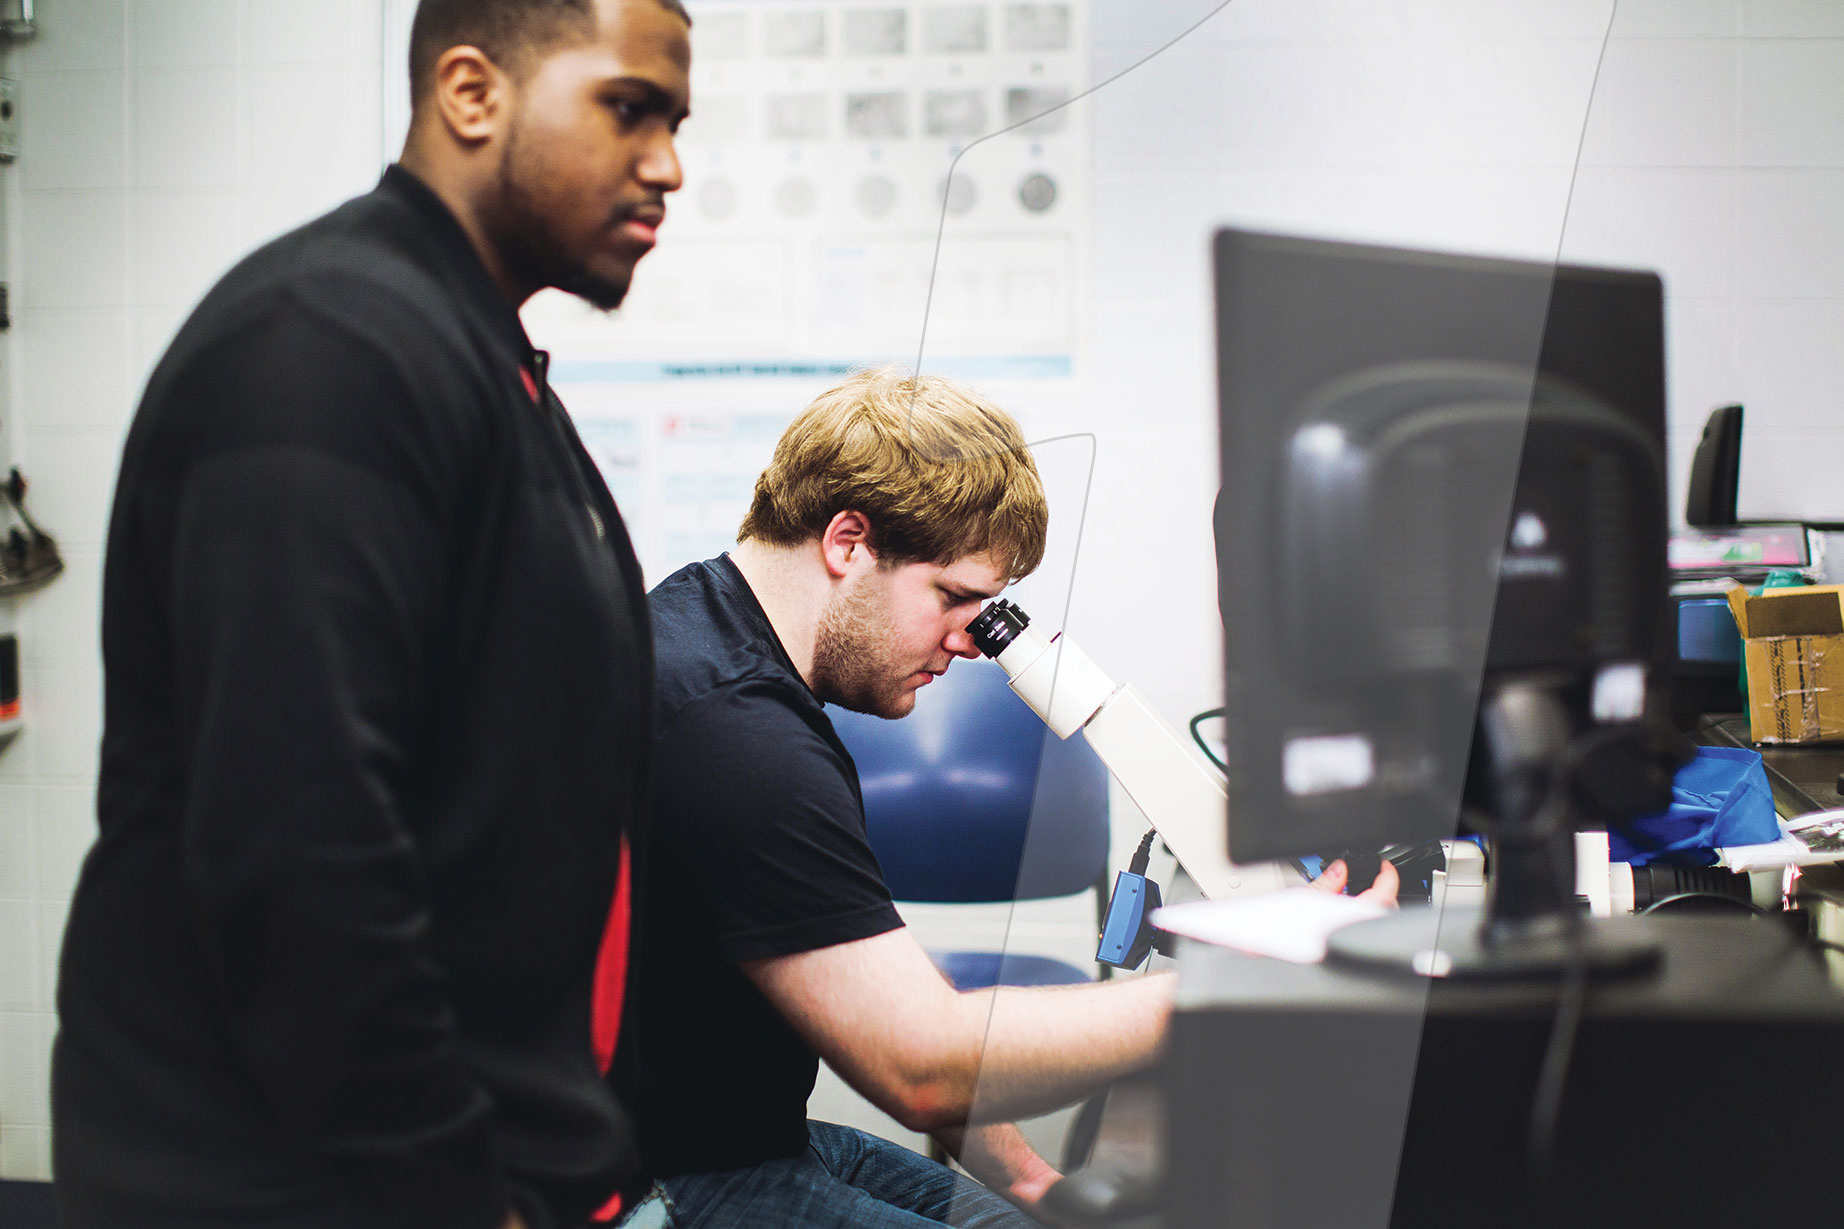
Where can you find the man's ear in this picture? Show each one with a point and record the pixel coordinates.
(470, 94)
(845, 542)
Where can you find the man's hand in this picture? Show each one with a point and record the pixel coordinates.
(998, 1155)
(1382, 890)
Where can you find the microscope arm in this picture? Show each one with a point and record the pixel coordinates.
(1182, 797)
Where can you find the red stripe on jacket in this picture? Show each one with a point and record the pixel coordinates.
(611, 991)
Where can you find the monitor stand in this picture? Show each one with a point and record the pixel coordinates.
(1457, 943)
(1536, 766)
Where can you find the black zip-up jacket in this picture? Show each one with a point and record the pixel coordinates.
(378, 708)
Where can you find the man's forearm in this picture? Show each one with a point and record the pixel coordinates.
(1046, 1047)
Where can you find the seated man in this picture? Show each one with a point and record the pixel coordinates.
(893, 509)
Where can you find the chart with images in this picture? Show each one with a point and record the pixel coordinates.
(829, 148)
(854, 174)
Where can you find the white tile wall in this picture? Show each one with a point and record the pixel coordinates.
(25, 1151)
(1554, 19)
(72, 475)
(60, 623)
(289, 32)
(1273, 22)
(1792, 111)
(186, 124)
(71, 372)
(17, 862)
(186, 33)
(183, 241)
(151, 330)
(19, 980)
(76, 246)
(16, 755)
(78, 34)
(52, 913)
(1664, 102)
(1525, 100)
(1791, 18)
(65, 830)
(301, 121)
(25, 1047)
(1789, 234)
(1791, 472)
(1679, 222)
(1702, 359)
(1674, 18)
(93, 102)
(66, 728)
(1792, 351)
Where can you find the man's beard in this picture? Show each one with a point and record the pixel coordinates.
(529, 246)
(853, 665)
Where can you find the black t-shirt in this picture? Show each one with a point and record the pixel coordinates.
(757, 849)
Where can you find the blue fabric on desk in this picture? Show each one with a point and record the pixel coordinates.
(1720, 798)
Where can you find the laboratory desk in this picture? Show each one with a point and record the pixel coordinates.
(1710, 1093)
(1804, 777)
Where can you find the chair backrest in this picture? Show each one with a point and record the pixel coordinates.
(1715, 470)
(971, 798)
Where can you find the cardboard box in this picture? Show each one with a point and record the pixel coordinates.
(1793, 644)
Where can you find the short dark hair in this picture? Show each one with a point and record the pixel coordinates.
(508, 31)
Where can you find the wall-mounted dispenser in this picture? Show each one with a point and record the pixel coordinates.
(17, 20)
(11, 715)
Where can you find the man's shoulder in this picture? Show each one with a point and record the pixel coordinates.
(346, 317)
(707, 643)
(725, 694)
(354, 271)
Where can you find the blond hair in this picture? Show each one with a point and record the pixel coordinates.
(938, 471)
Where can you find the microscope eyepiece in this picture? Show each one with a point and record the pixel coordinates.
(996, 626)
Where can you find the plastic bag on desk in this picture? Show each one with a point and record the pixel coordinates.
(1720, 798)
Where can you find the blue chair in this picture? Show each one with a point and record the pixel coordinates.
(971, 799)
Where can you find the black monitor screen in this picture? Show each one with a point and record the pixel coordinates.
(1437, 470)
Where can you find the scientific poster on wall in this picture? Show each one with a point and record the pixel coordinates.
(864, 183)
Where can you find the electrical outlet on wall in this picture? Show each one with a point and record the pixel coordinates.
(9, 119)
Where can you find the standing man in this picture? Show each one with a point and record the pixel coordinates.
(892, 510)
(378, 676)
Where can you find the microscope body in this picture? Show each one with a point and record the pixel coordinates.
(1183, 797)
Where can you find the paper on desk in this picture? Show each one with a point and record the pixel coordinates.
(1290, 925)
(1805, 840)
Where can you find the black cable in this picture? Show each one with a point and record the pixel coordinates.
(1143, 854)
(1552, 1077)
(1203, 746)
(1736, 901)
(1571, 998)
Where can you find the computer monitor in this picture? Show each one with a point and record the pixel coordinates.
(1443, 557)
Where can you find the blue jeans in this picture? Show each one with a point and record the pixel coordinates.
(846, 1179)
